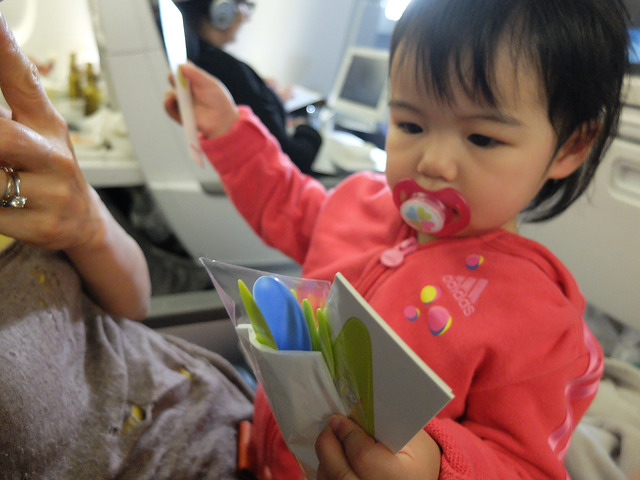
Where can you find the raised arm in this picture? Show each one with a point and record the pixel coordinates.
(62, 212)
(261, 181)
(214, 109)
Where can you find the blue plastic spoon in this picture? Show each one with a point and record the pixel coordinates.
(282, 313)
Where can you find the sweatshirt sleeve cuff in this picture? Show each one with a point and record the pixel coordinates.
(453, 462)
(246, 138)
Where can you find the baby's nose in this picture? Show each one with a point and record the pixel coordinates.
(439, 160)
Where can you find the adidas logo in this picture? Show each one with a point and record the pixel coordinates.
(465, 290)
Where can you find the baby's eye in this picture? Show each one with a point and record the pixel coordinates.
(410, 128)
(483, 140)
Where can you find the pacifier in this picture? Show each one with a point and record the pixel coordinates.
(441, 213)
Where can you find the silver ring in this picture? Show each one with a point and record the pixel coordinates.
(12, 197)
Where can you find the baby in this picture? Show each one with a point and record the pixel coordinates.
(496, 108)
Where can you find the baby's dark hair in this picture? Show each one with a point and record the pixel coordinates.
(579, 48)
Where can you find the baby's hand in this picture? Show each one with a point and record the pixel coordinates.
(346, 452)
(214, 108)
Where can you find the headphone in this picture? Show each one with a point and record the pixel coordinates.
(222, 13)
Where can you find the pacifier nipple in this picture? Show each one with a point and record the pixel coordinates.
(440, 213)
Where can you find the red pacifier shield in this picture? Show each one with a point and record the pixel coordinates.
(440, 213)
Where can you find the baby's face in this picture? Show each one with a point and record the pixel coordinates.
(496, 157)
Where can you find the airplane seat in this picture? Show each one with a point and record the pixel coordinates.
(191, 198)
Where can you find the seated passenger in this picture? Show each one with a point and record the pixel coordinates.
(213, 24)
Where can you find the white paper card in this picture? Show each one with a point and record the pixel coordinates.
(176, 47)
(377, 380)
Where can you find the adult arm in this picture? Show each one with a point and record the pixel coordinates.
(62, 211)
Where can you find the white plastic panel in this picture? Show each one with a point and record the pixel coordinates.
(49, 30)
(140, 81)
(598, 238)
(632, 90)
(297, 41)
(135, 63)
(21, 16)
(210, 226)
(126, 24)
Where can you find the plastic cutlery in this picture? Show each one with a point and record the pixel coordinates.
(324, 336)
(307, 309)
(260, 327)
(282, 313)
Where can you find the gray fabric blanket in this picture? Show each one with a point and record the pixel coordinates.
(606, 443)
(84, 395)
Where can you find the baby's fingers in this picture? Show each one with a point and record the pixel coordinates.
(352, 453)
(332, 457)
(213, 106)
(171, 105)
(356, 442)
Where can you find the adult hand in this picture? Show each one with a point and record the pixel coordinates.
(213, 105)
(62, 212)
(346, 452)
(34, 142)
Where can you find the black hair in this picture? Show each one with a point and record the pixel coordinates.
(193, 11)
(577, 47)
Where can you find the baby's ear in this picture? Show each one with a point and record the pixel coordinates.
(574, 151)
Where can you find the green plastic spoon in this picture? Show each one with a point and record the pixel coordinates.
(260, 326)
(324, 335)
(307, 309)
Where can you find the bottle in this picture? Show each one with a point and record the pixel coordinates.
(75, 86)
(91, 92)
